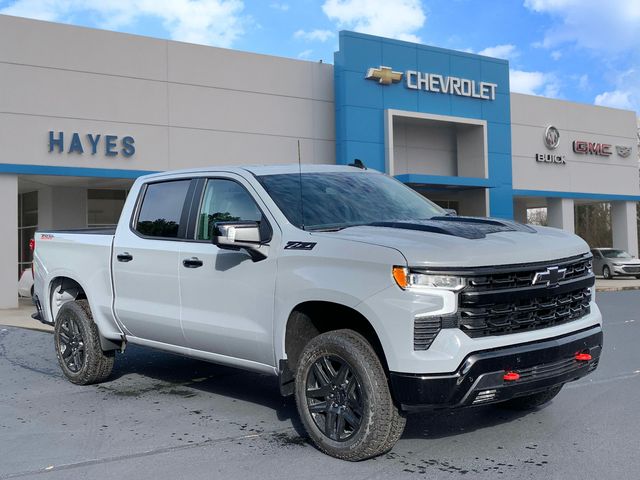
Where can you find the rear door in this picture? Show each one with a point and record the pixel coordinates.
(227, 299)
(145, 262)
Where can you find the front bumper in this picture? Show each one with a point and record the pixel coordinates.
(479, 378)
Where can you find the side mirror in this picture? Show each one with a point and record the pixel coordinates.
(237, 235)
(451, 212)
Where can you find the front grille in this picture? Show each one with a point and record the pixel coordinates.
(542, 311)
(503, 300)
(522, 276)
(630, 269)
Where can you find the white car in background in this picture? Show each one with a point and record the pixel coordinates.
(25, 284)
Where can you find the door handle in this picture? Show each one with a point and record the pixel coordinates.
(193, 262)
(124, 257)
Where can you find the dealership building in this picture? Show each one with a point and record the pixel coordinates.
(84, 112)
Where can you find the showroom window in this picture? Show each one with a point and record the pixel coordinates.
(27, 226)
(104, 207)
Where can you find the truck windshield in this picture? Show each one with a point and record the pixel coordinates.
(332, 201)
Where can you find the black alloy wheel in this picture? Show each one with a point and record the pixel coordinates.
(78, 347)
(334, 398)
(343, 398)
(72, 345)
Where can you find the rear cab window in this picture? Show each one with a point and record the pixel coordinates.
(161, 212)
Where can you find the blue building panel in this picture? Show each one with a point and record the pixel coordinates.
(448, 83)
(370, 153)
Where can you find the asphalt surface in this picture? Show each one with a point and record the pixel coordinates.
(163, 416)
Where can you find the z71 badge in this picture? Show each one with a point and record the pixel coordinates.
(300, 245)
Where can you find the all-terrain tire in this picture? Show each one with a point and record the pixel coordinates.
(75, 318)
(380, 422)
(529, 402)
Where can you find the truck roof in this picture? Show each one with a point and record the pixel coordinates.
(260, 170)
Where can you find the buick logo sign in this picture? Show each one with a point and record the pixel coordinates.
(551, 137)
(551, 277)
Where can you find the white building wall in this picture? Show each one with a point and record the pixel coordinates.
(185, 105)
(595, 174)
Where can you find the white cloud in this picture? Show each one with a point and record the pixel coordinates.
(399, 19)
(283, 7)
(556, 55)
(506, 51)
(319, 35)
(211, 22)
(534, 83)
(615, 99)
(583, 82)
(612, 26)
(305, 54)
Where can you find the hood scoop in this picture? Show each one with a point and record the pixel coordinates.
(471, 228)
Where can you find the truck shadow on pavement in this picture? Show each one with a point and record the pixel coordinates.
(171, 374)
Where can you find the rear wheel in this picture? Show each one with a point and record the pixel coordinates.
(77, 342)
(529, 402)
(343, 397)
(606, 272)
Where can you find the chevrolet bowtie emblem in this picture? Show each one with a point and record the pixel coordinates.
(551, 276)
(384, 75)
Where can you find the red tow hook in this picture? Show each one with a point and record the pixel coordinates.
(583, 357)
(511, 376)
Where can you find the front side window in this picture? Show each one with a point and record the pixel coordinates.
(225, 201)
(161, 209)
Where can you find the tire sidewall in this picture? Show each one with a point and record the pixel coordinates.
(606, 272)
(370, 391)
(74, 310)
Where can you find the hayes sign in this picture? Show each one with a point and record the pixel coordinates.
(431, 82)
(110, 145)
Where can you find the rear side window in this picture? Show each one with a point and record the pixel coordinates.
(225, 201)
(161, 209)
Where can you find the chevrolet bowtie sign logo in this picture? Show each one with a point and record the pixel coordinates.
(384, 75)
(433, 82)
(551, 276)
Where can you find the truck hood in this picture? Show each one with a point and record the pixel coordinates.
(467, 241)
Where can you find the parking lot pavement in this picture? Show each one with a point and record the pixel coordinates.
(163, 416)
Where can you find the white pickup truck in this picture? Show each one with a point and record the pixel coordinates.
(365, 299)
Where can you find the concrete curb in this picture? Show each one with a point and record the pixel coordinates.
(617, 289)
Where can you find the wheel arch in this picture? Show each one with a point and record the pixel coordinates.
(309, 319)
(63, 289)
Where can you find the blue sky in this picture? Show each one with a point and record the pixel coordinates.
(581, 50)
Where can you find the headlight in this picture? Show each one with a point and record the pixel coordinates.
(408, 280)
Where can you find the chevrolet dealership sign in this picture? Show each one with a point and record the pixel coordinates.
(431, 82)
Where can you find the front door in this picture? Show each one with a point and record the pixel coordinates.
(145, 263)
(227, 299)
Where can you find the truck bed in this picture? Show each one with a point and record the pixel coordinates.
(84, 256)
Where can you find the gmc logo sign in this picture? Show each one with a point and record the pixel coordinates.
(591, 148)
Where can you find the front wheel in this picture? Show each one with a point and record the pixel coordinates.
(77, 342)
(343, 398)
(529, 402)
(606, 272)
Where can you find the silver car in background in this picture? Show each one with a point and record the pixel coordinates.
(609, 262)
